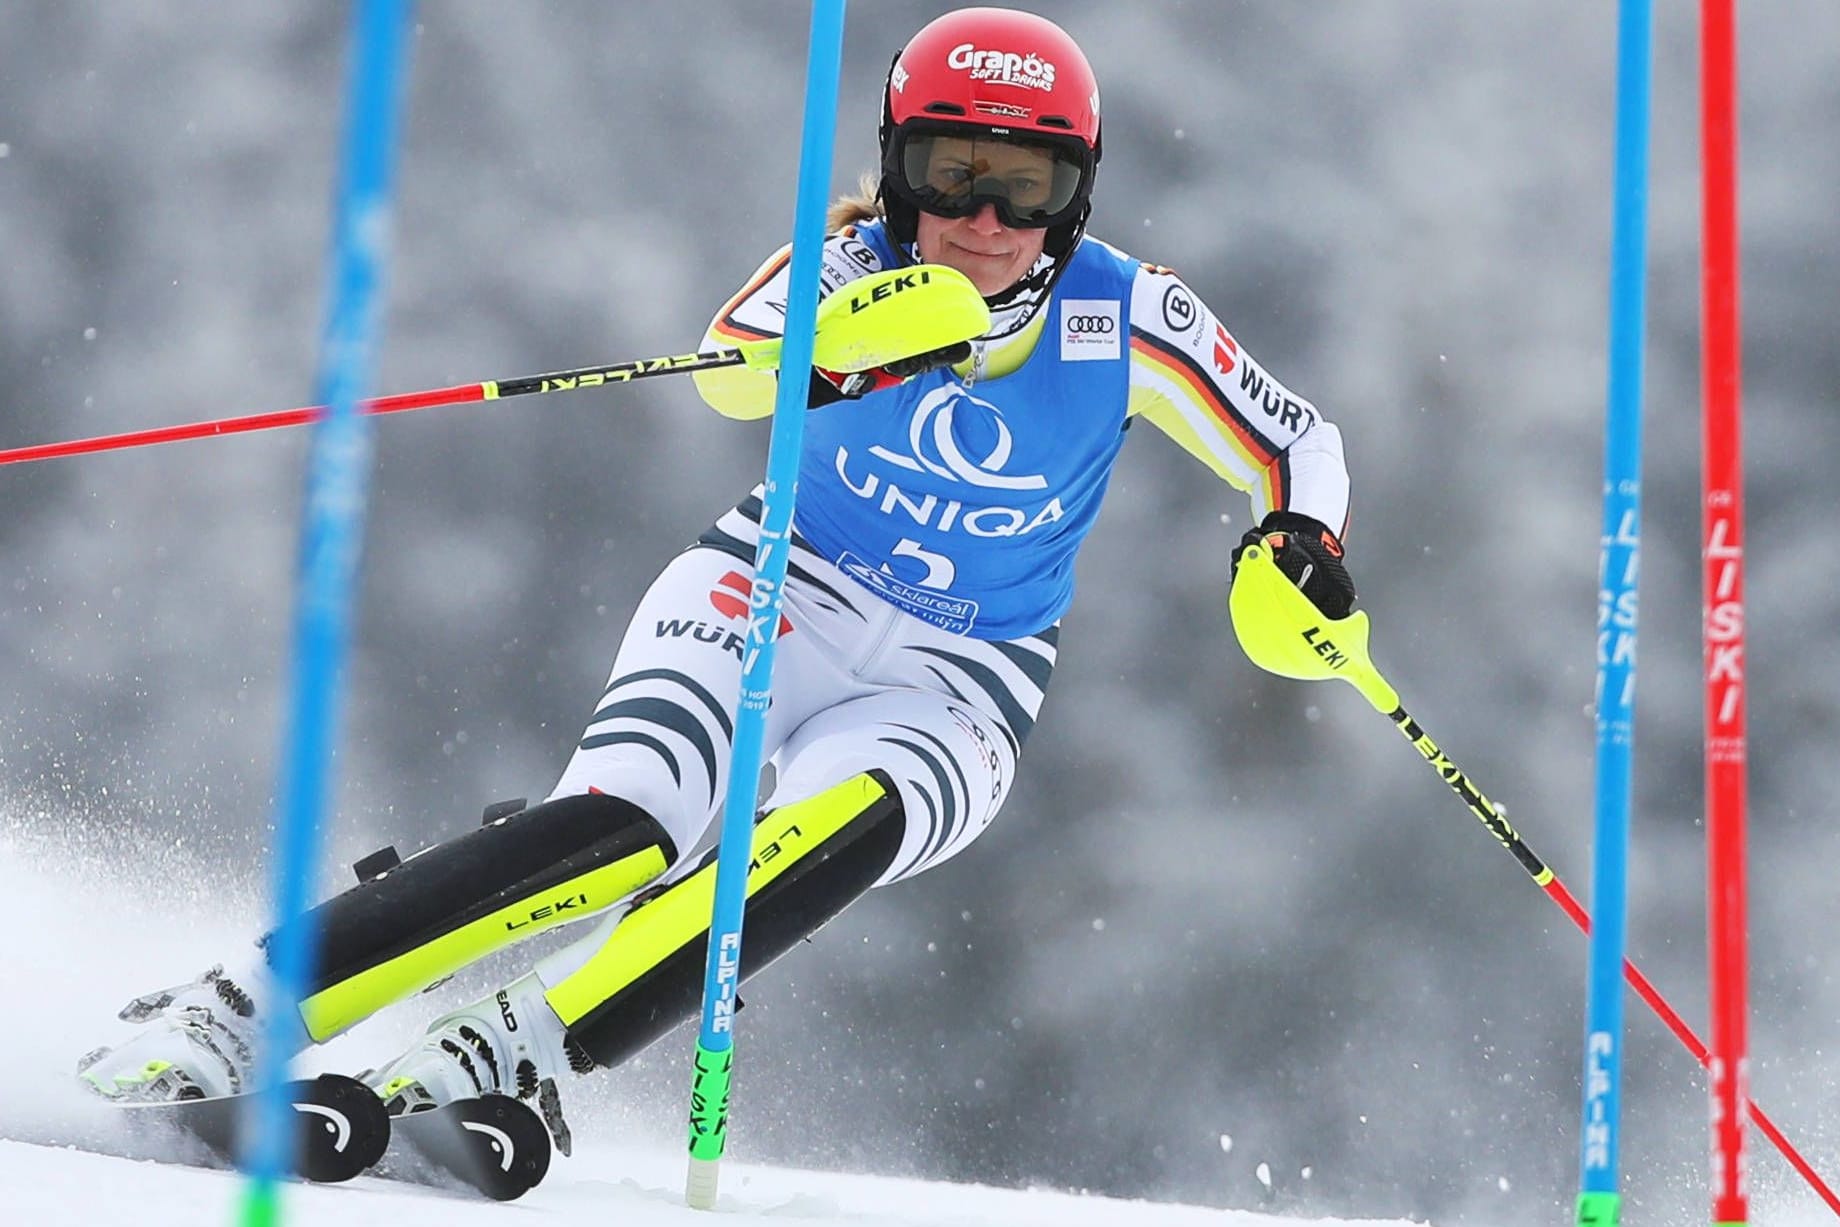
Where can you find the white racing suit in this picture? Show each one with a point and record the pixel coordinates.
(857, 684)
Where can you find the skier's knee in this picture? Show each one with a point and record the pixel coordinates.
(810, 860)
(412, 922)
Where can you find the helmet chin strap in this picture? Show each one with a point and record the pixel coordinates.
(1012, 309)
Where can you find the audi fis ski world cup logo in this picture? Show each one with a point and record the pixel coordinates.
(1028, 71)
(1090, 329)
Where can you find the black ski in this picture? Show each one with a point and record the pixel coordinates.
(493, 1145)
(340, 1126)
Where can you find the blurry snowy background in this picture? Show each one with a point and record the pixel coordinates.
(1226, 920)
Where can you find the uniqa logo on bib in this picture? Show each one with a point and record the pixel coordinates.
(956, 437)
(933, 435)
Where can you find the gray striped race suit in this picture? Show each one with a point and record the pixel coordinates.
(856, 684)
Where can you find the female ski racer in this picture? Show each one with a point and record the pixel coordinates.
(940, 509)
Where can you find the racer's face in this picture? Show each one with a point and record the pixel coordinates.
(994, 256)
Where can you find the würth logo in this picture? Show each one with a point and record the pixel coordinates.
(730, 598)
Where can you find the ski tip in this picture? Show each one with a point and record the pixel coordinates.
(495, 1145)
(342, 1128)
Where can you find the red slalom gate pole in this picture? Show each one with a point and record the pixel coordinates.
(1671, 1019)
(1723, 559)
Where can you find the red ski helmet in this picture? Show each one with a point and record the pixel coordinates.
(996, 75)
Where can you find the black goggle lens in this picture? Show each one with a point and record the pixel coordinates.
(1032, 184)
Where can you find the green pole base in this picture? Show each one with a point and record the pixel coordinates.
(708, 1125)
(709, 1102)
(261, 1204)
(1599, 1209)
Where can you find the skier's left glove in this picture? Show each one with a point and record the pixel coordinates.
(829, 387)
(1309, 555)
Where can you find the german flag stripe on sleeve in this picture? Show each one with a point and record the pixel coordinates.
(1278, 482)
(1193, 384)
(725, 325)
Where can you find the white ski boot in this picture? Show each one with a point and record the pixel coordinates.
(200, 1039)
(510, 1043)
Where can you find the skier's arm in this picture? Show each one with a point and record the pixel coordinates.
(758, 311)
(1195, 383)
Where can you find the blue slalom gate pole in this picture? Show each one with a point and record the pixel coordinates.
(331, 537)
(1620, 557)
(714, 1060)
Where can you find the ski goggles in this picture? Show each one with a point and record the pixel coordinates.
(953, 171)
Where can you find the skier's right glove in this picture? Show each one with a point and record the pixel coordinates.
(829, 387)
(1309, 555)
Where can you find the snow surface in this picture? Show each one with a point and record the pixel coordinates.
(96, 913)
(46, 1185)
(109, 918)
